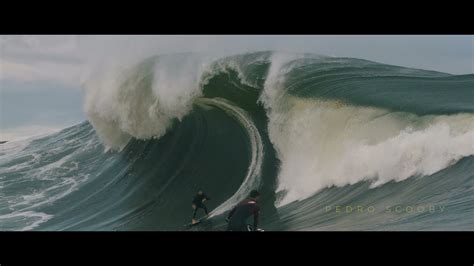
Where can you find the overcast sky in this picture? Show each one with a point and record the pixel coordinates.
(40, 75)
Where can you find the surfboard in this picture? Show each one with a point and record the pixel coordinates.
(193, 224)
(199, 221)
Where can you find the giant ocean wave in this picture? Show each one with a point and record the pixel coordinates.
(332, 143)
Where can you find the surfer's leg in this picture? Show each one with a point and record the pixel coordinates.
(195, 211)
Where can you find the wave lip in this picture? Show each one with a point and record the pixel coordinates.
(252, 179)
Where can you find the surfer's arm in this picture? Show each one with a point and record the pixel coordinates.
(205, 198)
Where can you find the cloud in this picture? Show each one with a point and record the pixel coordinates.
(55, 45)
(40, 58)
(451, 53)
(67, 74)
(63, 58)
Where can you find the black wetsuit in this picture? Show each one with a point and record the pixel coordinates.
(239, 214)
(197, 201)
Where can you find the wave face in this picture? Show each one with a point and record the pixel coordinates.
(332, 144)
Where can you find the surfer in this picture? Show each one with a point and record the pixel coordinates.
(239, 214)
(198, 203)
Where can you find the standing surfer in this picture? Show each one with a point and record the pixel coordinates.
(198, 203)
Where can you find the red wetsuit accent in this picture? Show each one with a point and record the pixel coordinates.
(239, 214)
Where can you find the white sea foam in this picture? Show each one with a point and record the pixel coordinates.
(323, 144)
(30, 220)
(125, 103)
(329, 143)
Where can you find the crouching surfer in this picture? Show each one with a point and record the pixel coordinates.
(237, 217)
